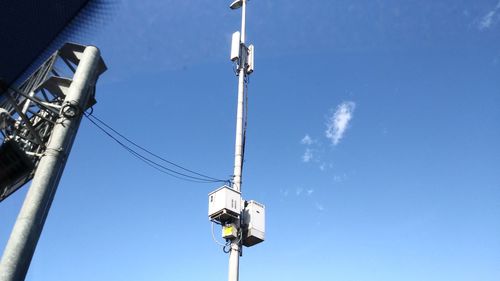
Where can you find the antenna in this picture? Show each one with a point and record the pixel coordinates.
(235, 46)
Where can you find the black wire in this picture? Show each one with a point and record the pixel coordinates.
(228, 244)
(152, 163)
(144, 159)
(245, 123)
(151, 153)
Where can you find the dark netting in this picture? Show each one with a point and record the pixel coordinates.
(31, 30)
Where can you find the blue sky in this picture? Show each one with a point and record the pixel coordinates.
(373, 142)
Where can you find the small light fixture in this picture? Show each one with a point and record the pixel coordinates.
(236, 4)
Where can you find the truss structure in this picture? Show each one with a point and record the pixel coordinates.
(30, 113)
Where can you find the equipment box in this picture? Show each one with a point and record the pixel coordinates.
(224, 204)
(254, 220)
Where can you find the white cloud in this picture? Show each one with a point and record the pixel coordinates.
(322, 167)
(284, 193)
(338, 122)
(308, 155)
(488, 19)
(307, 140)
(298, 191)
(310, 192)
(320, 207)
(338, 178)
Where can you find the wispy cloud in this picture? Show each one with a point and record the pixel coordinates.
(298, 191)
(339, 121)
(489, 19)
(308, 155)
(325, 166)
(307, 140)
(303, 194)
(284, 192)
(338, 178)
(322, 167)
(320, 207)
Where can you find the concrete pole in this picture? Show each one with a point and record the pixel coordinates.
(28, 227)
(234, 254)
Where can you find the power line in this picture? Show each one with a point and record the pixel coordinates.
(200, 178)
(149, 152)
(152, 163)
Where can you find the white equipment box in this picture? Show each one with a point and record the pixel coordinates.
(224, 204)
(254, 219)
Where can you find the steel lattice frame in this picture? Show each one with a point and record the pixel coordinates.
(36, 105)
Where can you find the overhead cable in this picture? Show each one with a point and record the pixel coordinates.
(114, 134)
(149, 152)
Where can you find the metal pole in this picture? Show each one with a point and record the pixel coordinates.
(28, 227)
(234, 254)
(238, 154)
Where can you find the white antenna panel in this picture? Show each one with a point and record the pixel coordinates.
(251, 52)
(235, 46)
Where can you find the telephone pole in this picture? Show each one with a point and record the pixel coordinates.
(243, 222)
(235, 248)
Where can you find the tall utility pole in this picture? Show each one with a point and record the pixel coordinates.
(234, 254)
(30, 221)
(243, 222)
